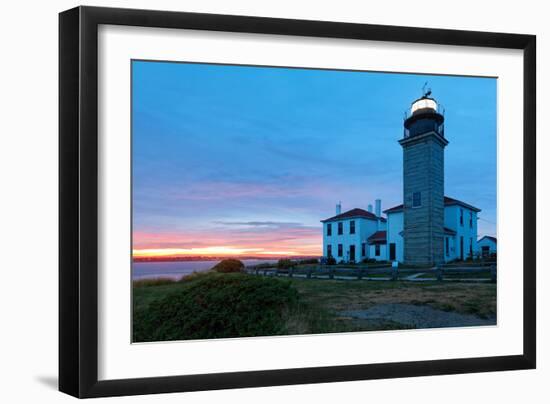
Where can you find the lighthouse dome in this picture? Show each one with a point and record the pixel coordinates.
(423, 104)
(423, 117)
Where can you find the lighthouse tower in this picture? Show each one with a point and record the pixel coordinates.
(423, 188)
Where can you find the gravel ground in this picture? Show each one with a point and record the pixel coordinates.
(418, 316)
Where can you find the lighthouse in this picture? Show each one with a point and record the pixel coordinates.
(423, 145)
(428, 228)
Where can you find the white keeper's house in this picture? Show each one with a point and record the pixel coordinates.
(345, 236)
(358, 234)
(429, 228)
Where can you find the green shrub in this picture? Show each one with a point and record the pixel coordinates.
(142, 283)
(286, 264)
(194, 275)
(331, 261)
(217, 306)
(229, 265)
(308, 261)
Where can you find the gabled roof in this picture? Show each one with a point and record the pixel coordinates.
(488, 237)
(397, 208)
(354, 213)
(451, 201)
(378, 237)
(447, 202)
(448, 231)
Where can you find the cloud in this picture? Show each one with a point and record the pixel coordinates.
(260, 235)
(211, 190)
(255, 223)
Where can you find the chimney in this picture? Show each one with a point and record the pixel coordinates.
(370, 208)
(378, 213)
(339, 208)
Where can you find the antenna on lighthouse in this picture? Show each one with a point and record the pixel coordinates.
(426, 92)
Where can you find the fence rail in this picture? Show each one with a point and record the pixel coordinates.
(457, 273)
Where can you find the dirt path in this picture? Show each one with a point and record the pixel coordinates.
(417, 316)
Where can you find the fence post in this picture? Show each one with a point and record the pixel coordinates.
(290, 272)
(360, 274)
(309, 273)
(439, 273)
(331, 273)
(394, 274)
(493, 273)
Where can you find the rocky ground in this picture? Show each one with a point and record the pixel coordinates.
(417, 316)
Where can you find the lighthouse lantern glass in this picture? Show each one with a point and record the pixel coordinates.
(423, 103)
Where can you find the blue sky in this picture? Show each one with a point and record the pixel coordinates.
(251, 158)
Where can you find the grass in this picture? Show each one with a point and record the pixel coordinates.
(475, 263)
(335, 296)
(462, 275)
(214, 305)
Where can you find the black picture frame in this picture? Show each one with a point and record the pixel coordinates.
(78, 201)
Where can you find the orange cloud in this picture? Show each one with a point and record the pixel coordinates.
(232, 239)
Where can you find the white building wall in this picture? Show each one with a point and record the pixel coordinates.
(450, 253)
(363, 229)
(451, 221)
(451, 217)
(383, 252)
(394, 227)
(464, 231)
(368, 227)
(486, 242)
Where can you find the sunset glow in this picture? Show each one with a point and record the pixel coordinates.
(209, 252)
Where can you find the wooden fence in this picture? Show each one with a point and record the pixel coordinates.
(457, 273)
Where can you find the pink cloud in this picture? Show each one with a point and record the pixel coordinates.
(301, 240)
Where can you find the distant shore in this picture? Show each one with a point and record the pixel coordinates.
(177, 269)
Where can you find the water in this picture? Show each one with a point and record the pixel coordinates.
(177, 269)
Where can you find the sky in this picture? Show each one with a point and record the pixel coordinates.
(242, 160)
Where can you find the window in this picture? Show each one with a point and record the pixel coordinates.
(329, 229)
(340, 250)
(447, 246)
(376, 249)
(471, 248)
(462, 217)
(363, 249)
(352, 227)
(340, 228)
(471, 220)
(417, 201)
(329, 250)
